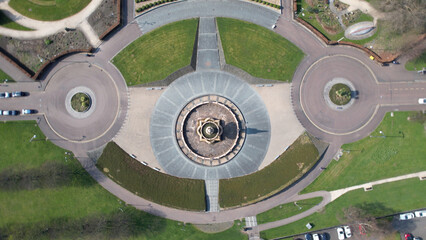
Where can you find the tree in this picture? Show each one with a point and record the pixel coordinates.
(369, 224)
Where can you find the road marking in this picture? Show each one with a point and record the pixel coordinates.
(303, 109)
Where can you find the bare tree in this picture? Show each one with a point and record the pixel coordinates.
(367, 223)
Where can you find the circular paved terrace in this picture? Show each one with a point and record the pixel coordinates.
(192, 86)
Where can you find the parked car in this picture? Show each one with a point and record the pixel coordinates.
(325, 236)
(18, 94)
(348, 232)
(408, 236)
(340, 233)
(422, 100)
(406, 216)
(5, 95)
(421, 213)
(417, 238)
(10, 113)
(308, 236)
(315, 236)
(28, 111)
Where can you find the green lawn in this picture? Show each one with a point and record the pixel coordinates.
(257, 50)
(7, 23)
(45, 196)
(401, 152)
(385, 199)
(48, 10)
(287, 210)
(150, 184)
(157, 54)
(291, 165)
(4, 76)
(416, 64)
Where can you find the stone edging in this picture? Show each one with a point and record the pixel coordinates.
(327, 89)
(71, 111)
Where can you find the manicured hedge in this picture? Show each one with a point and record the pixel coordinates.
(152, 185)
(290, 166)
(268, 3)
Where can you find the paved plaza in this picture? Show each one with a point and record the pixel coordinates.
(143, 121)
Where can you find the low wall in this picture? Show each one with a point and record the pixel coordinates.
(103, 35)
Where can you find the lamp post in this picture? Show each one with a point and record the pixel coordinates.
(32, 138)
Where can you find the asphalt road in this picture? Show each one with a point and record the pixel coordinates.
(399, 90)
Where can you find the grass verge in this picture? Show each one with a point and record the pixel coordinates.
(4, 76)
(287, 210)
(157, 54)
(8, 23)
(48, 10)
(257, 50)
(401, 152)
(291, 165)
(152, 185)
(385, 199)
(417, 63)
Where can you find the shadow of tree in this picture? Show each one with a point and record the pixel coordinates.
(49, 175)
(128, 222)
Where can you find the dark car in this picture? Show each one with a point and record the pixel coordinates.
(408, 236)
(325, 236)
(28, 111)
(308, 236)
(18, 94)
(10, 113)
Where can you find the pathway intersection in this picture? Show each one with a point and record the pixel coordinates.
(383, 89)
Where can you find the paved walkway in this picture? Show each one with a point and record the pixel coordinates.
(364, 7)
(44, 29)
(286, 27)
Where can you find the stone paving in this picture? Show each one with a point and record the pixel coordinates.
(242, 10)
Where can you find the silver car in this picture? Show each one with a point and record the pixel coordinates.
(28, 111)
(10, 113)
(18, 94)
(5, 95)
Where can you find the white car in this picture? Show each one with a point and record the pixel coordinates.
(340, 233)
(347, 231)
(315, 236)
(422, 100)
(406, 216)
(421, 213)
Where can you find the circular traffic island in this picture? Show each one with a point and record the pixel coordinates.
(81, 102)
(340, 94)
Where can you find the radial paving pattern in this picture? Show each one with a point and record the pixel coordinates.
(192, 86)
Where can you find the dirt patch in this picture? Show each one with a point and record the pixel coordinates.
(104, 17)
(34, 53)
(214, 228)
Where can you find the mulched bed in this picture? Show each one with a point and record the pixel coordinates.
(104, 17)
(33, 53)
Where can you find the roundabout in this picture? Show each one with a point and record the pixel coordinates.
(214, 122)
(81, 126)
(322, 112)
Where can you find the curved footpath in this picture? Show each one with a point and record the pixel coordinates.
(395, 90)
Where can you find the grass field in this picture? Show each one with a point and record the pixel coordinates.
(157, 54)
(401, 152)
(48, 10)
(150, 184)
(4, 76)
(385, 199)
(7, 23)
(45, 196)
(257, 50)
(287, 210)
(416, 64)
(291, 165)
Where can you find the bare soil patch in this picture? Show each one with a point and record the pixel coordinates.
(104, 17)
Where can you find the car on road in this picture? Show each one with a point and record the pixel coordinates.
(325, 236)
(406, 216)
(10, 113)
(348, 232)
(408, 236)
(308, 236)
(340, 233)
(422, 100)
(28, 111)
(5, 95)
(421, 213)
(315, 236)
(18, 94)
